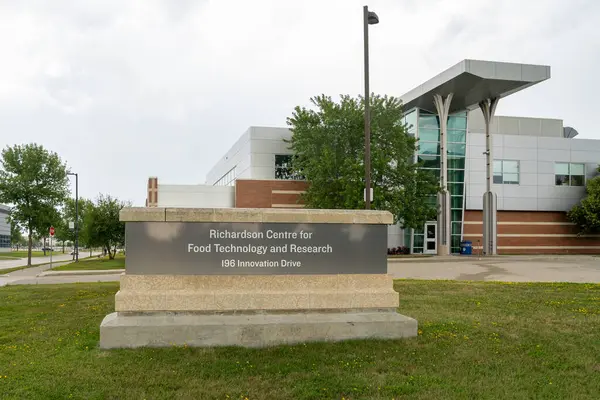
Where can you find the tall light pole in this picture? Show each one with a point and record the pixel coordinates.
(76, 250)
(369, 18)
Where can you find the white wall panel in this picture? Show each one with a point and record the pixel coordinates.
(520, 191)
(518, 204)
(528, 179)
(198, 196)
(519, 153)
(554, 155)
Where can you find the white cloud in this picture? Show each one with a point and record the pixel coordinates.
(124, 89)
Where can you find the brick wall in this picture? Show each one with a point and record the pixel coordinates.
(532, 232)
(250, 193)
(152, 194)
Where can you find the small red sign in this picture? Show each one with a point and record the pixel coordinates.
(51, 231)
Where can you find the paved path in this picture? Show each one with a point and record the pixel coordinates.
(30, 275)
(504, 268)
(57, 257)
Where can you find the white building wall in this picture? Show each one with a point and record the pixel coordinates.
(537, 155)
(238, 157)
(395, 236)
(267, 142)
(200, 196)
(521, 126)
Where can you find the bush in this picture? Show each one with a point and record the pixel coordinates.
(398, 250)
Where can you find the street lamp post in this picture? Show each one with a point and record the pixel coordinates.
(76, 250)
(369, 18)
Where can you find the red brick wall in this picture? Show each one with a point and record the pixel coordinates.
(532, 232)
(152, 193)
(250, 193)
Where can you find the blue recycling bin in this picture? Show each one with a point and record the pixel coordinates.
(466, 247)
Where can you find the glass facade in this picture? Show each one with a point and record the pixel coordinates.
(457, 151)
(426, 127)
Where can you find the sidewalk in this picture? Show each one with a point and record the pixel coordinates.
(56, 258)
(34, 275)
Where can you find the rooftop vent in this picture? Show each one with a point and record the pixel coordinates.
(569, 132)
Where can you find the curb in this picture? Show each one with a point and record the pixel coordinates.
(82, 272)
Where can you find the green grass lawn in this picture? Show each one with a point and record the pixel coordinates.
(94, 263)
(476, 341)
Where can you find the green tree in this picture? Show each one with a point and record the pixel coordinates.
(329, 147)
(102, 225)
(16, 236)
(34, 182)
(67, 214)
(586, 214)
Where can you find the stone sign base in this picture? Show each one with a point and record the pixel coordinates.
(164, 329)
(253, 310)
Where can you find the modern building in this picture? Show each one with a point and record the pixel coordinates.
(4, 229)
(537, 168)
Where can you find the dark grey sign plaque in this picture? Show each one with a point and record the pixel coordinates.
(206, 248)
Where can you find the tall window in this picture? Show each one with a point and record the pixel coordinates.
(569, 174)
(283, 168)
(4, 241)
(506, 172)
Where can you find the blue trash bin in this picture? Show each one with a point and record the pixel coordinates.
(466, 247)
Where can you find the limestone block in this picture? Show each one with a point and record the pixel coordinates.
(119, 330)
(142, 214)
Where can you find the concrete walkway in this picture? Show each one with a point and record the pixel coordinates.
(57, 257)
(32, 275)
(581, 269)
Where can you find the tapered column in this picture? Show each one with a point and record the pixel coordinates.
(490, 247)
(442, 106)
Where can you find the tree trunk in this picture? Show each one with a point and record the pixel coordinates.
(29, 248)
(63, 247)
(111, 254)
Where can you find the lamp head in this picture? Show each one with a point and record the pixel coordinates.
(372, 18)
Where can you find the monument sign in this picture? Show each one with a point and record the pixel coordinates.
(253, 277)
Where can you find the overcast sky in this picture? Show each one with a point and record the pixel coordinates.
(127, 89)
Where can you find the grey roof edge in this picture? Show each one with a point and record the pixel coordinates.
(528, 74)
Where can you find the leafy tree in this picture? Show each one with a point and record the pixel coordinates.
(67, 214)
(102, 225)
(329, 148)
(34, 181)
(586, 214)
(16, 236)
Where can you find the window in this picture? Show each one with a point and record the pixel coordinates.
(226, 180)
(4, 241)
(569, 174)
(506, 172)
(411, 121)
(283, 168)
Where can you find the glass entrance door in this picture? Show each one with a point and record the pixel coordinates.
(430, 238)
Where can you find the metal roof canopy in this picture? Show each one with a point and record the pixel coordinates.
(472, 81)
